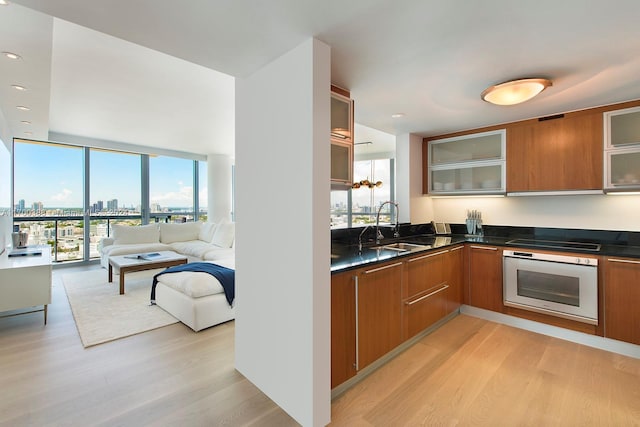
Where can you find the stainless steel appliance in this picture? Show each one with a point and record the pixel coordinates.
(559, 285)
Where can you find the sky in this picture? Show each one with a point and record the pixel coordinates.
(53, 176)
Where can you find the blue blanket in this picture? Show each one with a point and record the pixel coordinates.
(226, 277)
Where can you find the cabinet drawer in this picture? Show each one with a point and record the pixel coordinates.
(424, 310)
(425, 272)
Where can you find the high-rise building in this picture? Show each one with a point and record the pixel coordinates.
(99, 206)
(38, 207)
(112, 205)
(21, 205)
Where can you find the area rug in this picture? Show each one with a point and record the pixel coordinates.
(103, 315)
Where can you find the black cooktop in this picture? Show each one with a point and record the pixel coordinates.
(595, 247)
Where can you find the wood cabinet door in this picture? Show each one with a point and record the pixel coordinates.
(455, 278)
(622, 298)
(343, 327)
(558, 154)
(485, 277)
(379, 301)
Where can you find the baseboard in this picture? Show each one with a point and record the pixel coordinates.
(607, 344)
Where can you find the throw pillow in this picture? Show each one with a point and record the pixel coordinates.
(206, 231)
(128, 235)
(224, 235)
(179, 232)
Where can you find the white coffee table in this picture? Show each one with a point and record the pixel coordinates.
(126, 263)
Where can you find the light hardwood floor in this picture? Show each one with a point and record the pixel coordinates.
(472, 372)
(167, 377)
(469, 372)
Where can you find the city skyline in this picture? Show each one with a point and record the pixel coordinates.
(35, 164)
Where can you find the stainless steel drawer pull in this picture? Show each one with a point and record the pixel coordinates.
(357, 364)
(625, 261)
(456, 249)
(382, 268)
(427, 256)
(427, 295)
(486, 248)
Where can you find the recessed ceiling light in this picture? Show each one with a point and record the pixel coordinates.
(26, 122)
(23, 108)
(18, 87)
(397, 115)
(11, 55)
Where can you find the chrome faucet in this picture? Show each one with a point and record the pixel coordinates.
(360, 238)
(379, 235)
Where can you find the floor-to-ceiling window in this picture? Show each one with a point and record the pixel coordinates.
(114, 193)
(68, 196)
(171, 188)
(48, 196)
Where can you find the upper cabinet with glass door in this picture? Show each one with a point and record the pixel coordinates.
(467, 164)
(341, 139)
(622, 149)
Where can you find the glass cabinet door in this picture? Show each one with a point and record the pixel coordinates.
(473, 179)
(341, 117)
(623, 127)
(624, 169)
(468, 164)
(341, 162)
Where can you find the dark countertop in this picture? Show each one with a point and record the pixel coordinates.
(345, 257)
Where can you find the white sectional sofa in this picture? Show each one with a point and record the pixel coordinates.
(198, 241)
(196, 299)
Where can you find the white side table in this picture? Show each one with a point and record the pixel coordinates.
(25, 281)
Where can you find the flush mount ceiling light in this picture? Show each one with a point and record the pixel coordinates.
(18, 87)
(25, 122)
(23, 108)
(11, 55)
(514, 91)
(397, 115)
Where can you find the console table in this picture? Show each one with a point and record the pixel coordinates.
(25, 281)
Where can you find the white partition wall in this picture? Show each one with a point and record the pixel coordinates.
(282, 231)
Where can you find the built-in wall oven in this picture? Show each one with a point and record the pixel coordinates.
(558, 285)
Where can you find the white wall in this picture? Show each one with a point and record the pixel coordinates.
(282, 238)
(6, 218)
(414, 206)
(219, 185)
(596, 212)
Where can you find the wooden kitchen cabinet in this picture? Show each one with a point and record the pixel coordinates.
(379, 311)
(558, 153)
(455, 278)
(341, 139)
(622, 298)
(343, 327)
(484, 277)
(426, 301)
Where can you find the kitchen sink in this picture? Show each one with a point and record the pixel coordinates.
(405, 247)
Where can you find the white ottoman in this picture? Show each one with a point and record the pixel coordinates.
(196, 299)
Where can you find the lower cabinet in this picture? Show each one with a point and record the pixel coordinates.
(622, 298)
(455, 278)
(484, 277)
(379, 312)
(343, 327)
(375, 309)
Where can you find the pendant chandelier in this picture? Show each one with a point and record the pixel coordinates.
(367, 183)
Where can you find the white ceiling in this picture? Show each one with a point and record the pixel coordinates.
(427, 59)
